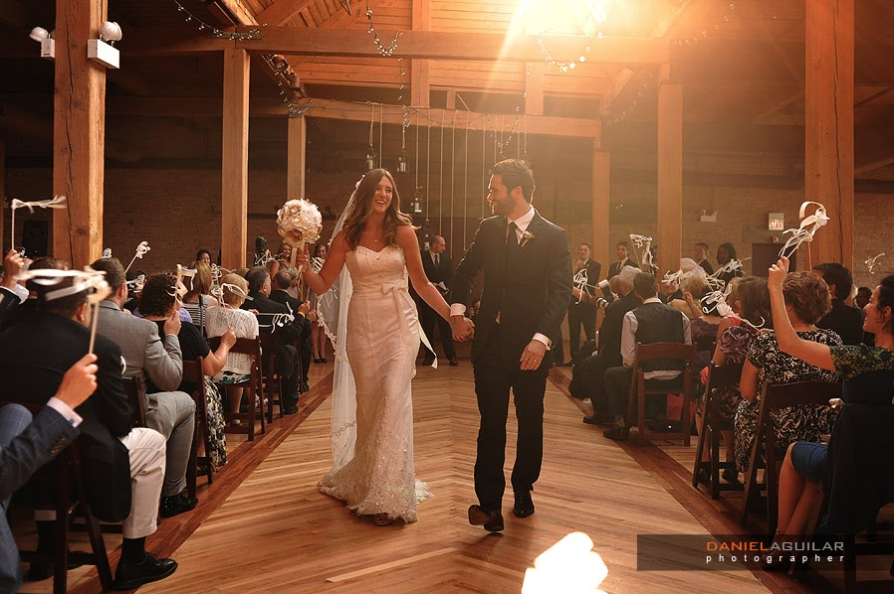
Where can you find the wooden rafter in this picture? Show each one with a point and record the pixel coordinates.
(281, 11)
(392, 114)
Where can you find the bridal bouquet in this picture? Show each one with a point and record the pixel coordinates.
(299, 222)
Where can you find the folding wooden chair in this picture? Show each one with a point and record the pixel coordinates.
(718, 377)
(640, 387)
(192, 373)
(272, 379)
(775, 397)
(253, 387)
(135, 388)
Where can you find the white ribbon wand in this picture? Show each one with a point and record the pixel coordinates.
(56, 203)
(181, 272)
(83, 280)
(142, 249)
(645, 244)
(807, 229)
(871, 262)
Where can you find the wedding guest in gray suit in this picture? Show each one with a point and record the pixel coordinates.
(26, 444)
(157, 359)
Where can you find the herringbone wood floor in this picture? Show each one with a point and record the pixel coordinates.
(263, 526)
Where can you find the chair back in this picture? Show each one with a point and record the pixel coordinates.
(706, 343)
(192, 371)
(135, 388)
(664, 350)
(639, 388)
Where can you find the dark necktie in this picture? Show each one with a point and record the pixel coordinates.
(511, 242)
(437, 260)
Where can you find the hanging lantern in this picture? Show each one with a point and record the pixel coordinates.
(371, 157)
(417, 201)
(402, 163)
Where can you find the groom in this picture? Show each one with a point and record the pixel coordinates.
(527, 289)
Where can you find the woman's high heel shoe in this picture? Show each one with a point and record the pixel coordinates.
(382, 520)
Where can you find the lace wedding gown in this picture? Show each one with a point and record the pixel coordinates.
(382, 343)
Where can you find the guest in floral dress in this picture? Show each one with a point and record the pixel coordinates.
(807, 300)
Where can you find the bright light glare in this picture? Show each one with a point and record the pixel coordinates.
(570, 566)
(564, 17)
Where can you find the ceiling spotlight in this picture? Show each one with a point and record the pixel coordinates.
(110, 32)
(47, 43)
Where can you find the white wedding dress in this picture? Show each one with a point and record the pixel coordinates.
(382, 341)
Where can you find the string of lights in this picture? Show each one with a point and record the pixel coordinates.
(214, 31)
(386, 51)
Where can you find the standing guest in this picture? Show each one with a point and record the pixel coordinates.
(649, 323)
(844, 320)
(622, 249)
(527, 289)
(701, 257)
(726, 253)
(318, 338)
(203, 256)
(807, 300)
(439, 270)
(581, 312)
(28, 443)
(124, 466)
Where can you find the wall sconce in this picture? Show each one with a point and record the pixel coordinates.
(101, 50)
(709, 217)
(47, 43)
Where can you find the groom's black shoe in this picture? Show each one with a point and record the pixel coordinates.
(524, 504)
(492, 521)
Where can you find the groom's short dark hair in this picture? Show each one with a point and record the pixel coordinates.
(515, 174)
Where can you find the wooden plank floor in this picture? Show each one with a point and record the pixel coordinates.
(264, 527)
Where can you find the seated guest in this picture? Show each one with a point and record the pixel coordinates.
(198, 299)
(124, 467)
(649, 323)
(27, 291)
(245, 324)
(154, 354)
(696, 287)
(867, 374)
(287, 356)
(9, 296)
(26, 444)
(283, 281)
(588, 377)
(806, 300)
(733, 343)
(844, 320)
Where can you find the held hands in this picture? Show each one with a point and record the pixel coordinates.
(463, 328)
(79, 382)
(532, 356)
(777, 274)
(172, 324)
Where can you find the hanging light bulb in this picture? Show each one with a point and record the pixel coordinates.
(417, 201)
(371, 157)
(402, 163)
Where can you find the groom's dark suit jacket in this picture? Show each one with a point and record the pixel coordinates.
(531, 293)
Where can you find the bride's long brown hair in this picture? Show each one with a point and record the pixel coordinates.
(363, 199)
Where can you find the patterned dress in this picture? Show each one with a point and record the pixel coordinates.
(867, 374)
(798, 423)
(734, 343)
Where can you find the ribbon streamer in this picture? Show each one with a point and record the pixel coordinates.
(182, 272)
(56, 203)
(142, 250)
(807, 229)
(871, 262)
(644, 244)
(136, 285)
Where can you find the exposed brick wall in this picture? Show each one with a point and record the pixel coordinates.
(178, 211)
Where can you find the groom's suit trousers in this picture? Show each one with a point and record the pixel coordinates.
(493, 382)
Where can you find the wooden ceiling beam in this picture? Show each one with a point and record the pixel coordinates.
(281, 11)
(392, 114)
(447, 45)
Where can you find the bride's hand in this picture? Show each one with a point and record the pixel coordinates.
(302, 257)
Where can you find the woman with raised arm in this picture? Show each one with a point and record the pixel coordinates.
(378, 243)
(866, 374)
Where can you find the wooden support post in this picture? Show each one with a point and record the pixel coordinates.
(234, 207)
(420, 78)
(829, 130)
(534, 88)
(297, 158)
(670, 171)
(601, 211)
(78, 133)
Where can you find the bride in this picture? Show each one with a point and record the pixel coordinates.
(375, 325)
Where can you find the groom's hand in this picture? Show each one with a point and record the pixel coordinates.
(533, 355)
(463, 328)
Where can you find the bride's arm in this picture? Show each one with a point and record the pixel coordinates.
(320, 282)
(406, 238)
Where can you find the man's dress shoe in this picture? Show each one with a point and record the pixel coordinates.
(524, 504)
(133, 575)
(492, 521)
(171, 506)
